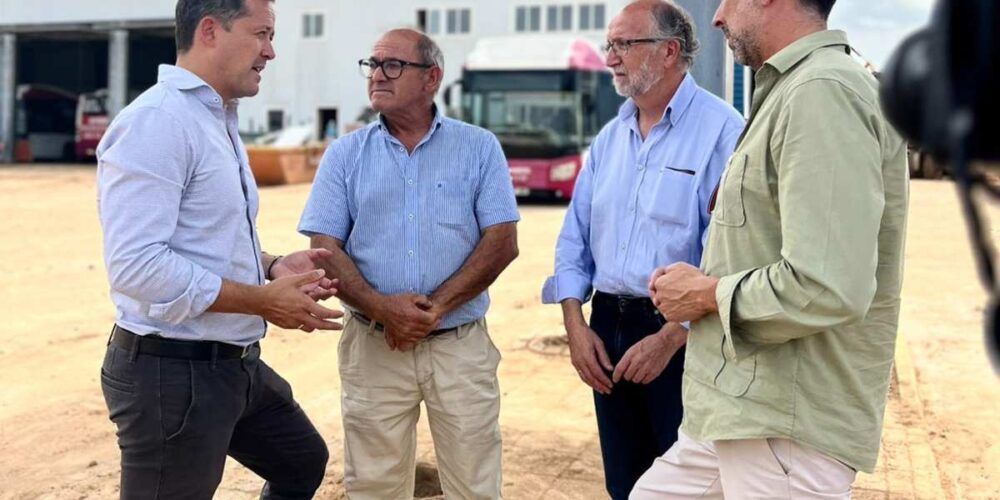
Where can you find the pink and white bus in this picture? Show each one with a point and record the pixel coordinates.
(545, 97)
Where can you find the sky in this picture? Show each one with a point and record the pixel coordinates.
(875, 27)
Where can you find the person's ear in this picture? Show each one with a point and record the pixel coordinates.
(671, 53)
(435, 75)
(207, 33)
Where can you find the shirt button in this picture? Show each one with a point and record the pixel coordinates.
(410, 253)
(401, 149)
(409, 181)
(623, 246)
(411, 216)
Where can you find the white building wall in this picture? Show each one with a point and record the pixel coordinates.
(13, 12)
(309, 74)
(314, 73)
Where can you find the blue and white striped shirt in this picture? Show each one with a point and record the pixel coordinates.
(410, 221)
(177, 203)
(641, 204)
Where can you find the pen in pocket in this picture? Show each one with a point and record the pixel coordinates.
(681, 170)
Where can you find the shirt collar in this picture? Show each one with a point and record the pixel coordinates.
(798, 50)
(435, 123)
(678, 104)
(184, 80)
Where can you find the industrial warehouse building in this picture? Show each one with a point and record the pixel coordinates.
(82, 46)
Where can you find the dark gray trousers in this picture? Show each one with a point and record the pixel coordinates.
(178, 419)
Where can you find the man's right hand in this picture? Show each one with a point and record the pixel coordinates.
(589, 357)
(406, 319)
(283, 303)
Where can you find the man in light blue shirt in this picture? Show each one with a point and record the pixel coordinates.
(182, 376)
(419, 213)
(641, 201)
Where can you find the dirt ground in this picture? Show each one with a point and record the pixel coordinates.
(940, 439)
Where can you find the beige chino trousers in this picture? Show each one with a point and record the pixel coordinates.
(744, 469)
(455, 375)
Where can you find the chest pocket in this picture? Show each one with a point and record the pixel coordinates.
(452, 203)
(729, 209)
(673, 195)
(735, 378)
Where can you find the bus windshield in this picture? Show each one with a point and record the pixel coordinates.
(528, 123)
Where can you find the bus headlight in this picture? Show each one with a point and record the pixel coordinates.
(563, 172)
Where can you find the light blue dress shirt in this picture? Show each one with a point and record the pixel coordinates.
(639, 205)
(409, 221)
(177, 203)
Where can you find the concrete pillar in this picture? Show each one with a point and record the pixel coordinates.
(710, 66)
(117, 71)
(8, 79)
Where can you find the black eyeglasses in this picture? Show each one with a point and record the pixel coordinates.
(391, 68)
(620, 47)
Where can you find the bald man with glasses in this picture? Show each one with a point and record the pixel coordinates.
(419, 214)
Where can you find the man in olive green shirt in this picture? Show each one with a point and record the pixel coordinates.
(794, 312)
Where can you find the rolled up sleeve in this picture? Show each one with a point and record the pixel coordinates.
(574, 265)
(139, 197)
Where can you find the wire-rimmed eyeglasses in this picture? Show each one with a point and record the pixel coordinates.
(620, 47)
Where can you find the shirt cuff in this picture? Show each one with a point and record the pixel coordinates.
(311, 229)
(560, 287)
(725, 293)
(498, 218)
(200, 294)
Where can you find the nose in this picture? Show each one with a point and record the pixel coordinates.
(378, 75)
(717, 18)
(268, 52)
(612, 59)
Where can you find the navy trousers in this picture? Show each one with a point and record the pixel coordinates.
(636, 422)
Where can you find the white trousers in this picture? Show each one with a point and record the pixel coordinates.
(455, 375)
(771, 468)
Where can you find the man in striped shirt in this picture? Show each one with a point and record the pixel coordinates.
(419, 213)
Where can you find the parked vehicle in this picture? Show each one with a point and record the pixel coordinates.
(44, 123)
(545, 97)
(92, 121)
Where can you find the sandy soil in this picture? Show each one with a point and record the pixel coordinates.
(56, 440)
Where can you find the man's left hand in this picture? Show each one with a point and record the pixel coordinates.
(304, 261)
(683, 293)
(398, 343)
(647, 359)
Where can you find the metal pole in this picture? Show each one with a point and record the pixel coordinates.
(8, 80)
(710, 67)
(117, 72)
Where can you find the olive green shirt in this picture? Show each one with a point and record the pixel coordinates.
(807, 239)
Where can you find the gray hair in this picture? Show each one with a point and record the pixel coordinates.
(429, 51)
(189, 13)
(672, 21)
